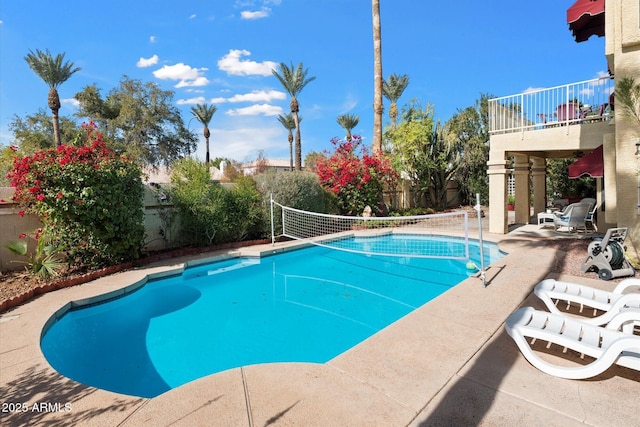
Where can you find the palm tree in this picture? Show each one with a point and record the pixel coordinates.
(54, 72)
(293, 81)
(378, 108)
(289, 124)
(348, 122)
(392, 89)
(204, 113)
(628, 97)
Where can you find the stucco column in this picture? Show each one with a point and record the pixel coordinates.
(539, 184)
(610, 179)
(498, 172)
(521, 176)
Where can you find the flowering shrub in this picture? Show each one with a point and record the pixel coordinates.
(88, 198)
(356, 177)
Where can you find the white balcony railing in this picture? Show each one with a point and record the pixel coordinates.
(575, 103)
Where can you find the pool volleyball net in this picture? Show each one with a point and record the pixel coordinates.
(419, 236)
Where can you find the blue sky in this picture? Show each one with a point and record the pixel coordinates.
(222, 52)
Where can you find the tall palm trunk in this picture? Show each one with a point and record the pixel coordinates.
(207, 134)
(54, 104)
(294, 111)
(393, 113)
(290, 138)
(378, 108)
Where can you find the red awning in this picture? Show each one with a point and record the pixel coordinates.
(591, 164)
(586, 18)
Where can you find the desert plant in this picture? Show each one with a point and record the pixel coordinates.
(45, 261)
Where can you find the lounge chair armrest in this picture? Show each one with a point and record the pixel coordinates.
(625, 284)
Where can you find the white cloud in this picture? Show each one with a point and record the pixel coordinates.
(233, 65)
(258, 14)
(142, 62)
(219, 100)
(198, 82)
(191, 101)
(245, 141)
(70, 102)
(349, 104)
(602, 74)
(533, 89)
(192, 16)
(258, 95)
(186, 75)
(255, 110)
(152, 39)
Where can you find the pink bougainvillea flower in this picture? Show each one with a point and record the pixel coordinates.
(79, 202)
(40, 197)
(59, 195)
(22, 236)
(21, 213)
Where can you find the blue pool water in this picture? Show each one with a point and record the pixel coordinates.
(308, 305)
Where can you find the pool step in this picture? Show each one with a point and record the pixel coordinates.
(219, 267)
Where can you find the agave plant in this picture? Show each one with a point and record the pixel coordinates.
(44, 262)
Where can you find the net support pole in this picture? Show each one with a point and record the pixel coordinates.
(480, 243)
(273, 235)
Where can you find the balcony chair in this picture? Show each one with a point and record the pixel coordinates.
(568, 111)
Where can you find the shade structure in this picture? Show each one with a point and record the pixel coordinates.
(591, 164)
(586, 18)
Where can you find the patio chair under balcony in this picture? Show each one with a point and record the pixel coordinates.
(572, 218)
(590, 220)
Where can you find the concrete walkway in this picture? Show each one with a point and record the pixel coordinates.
(447, 363)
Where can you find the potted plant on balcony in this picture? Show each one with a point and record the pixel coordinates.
(511, 202)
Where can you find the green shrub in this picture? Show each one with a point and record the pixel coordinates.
(300, 190)
(88, 198)
(198, 200)
(246, 213)
(210, 213)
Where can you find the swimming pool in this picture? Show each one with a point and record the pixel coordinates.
(307, 305)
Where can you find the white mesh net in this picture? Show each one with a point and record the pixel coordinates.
(420, 236)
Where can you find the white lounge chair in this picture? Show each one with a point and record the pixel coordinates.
(554, 292)
(606, 345)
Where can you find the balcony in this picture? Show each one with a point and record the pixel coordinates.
(576, 103)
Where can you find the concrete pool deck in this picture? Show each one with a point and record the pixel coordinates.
(450, 362)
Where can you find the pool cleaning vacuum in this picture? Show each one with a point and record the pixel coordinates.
(607, 257)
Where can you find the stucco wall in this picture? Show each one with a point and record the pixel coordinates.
(622, 26)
